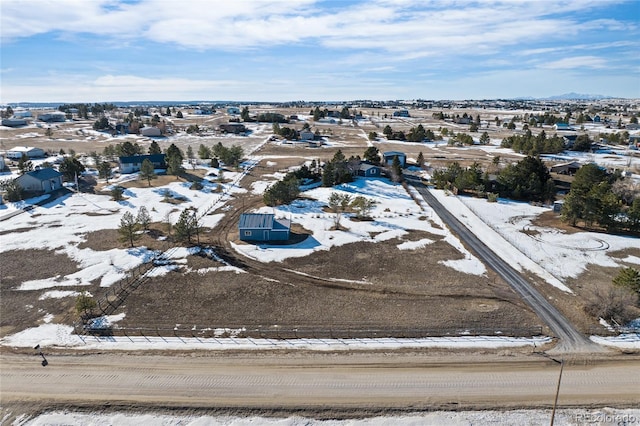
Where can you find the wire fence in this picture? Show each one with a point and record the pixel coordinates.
(304, 332)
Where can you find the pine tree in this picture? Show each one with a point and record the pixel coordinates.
(154, 148)
(144, 218)
(190, 154)
(104, 170)
(129, 227)
(204, 152)
(187, 225)
(420, 159)
(147, 171)
(24, 164)
(629, 278)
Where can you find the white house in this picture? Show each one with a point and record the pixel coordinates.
(17, 152)
(41, 180)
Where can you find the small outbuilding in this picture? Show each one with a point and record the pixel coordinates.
(263, 227)
(42, 180)
(133, 163)
(389, 155)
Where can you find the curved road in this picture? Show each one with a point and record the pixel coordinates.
(571, 339)
(311, 382)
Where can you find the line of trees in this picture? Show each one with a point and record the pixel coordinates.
(527, 180)
(599, 198)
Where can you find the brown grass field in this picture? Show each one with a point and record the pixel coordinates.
(403, 290)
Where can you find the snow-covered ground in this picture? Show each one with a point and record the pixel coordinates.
(563, 417)
(546, 252)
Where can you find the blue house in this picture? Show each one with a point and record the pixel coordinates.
(387, 158)
(368, 170)
(263, 227)
(133, 163)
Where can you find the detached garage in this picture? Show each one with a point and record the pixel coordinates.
(17, 152)
(263, 227)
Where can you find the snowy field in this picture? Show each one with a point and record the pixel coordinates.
(548, 253)
(563, 417)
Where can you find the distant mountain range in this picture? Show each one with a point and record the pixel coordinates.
(573, 96)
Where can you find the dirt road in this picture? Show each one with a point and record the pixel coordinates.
(313, 381)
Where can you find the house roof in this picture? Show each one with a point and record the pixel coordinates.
(44, 174)
(154, 158)
(570, 164)
(365, 166)
(263, 221)
(23, 149)
(256, 220)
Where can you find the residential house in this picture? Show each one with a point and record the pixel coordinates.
(235, 128)
(133, 163)
(632, 126)
(369, 170)
(263, 227)
(42, 180)
(387, 158)
(401, 113)
(152, 132)
(307, 135)
(562, 127)
(14, 122)
(569, 168)
(52, 117)
(17, 152)
(23, 113)
(233, 110)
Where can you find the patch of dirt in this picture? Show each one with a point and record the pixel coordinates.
(552, 220)
(20, 309)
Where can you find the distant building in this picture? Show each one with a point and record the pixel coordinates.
(17, 152)
(307, 135)
(42, 180)
(387, 158)
(562, 127)
(133, 163)
(22, 114)
(150, 132)
(233, 110)
(52, 117)
(401, 113)
(263, 227)
(14, 122)
(235, 128)
(566, 168)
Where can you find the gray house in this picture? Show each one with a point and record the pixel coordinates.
(43, 180)
(263, 227)
(389, 155)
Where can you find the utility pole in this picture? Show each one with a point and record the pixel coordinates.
(555, 403)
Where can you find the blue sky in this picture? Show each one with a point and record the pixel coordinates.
(266, 50)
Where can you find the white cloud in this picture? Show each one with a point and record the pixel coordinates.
(578, 62)
(414, 28)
